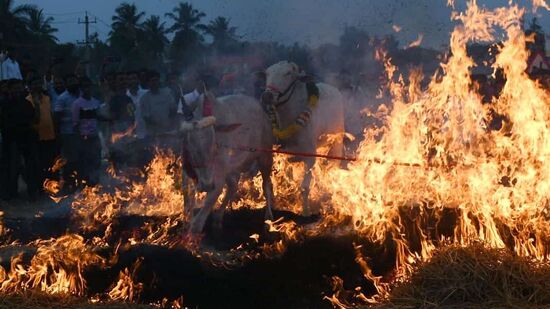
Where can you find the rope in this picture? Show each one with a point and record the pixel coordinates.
(286, 152)
(315, 155)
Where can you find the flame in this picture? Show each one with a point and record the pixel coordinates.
(125, 289)
(540, 4)
(56, 268)
(416, 42)
(115, 137)
(434, 155)
(438, 153)
(3, 230)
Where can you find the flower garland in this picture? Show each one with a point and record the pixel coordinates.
(303, 118)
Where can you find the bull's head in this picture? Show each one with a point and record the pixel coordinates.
(280, 79)
(200, 149)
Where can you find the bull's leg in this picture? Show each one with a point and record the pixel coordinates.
(189, 201)
(337, 147)
(306, 182)
(232, 185)
(198, 221)
(266, 164)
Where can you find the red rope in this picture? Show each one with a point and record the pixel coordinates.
(293, 153)
(315, 155)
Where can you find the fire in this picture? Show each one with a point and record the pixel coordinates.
(56, 268)
(416, 42)
(125, 289)
(540, 4)
(158, 195)
(434, 157)
(115, 137)
(3, 230)
(438, 153)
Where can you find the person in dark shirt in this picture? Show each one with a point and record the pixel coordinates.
(121, 107)
(46, 144)
(85, 121)
(19, 118)
(4, 152)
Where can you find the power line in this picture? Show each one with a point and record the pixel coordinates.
(101, 21)
(65, 21)
(64, 14)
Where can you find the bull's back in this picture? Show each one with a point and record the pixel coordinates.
(328, 116)
(252, 125)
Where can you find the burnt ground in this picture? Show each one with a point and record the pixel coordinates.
(299, 278)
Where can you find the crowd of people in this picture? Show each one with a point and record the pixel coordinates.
(45, 117)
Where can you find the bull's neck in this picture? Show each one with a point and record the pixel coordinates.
(288, 111)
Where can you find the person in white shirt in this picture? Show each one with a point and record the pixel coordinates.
(9, 69)
(135, 92)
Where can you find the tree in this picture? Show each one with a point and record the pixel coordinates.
(126, 28)
(154, 34)
(12, 21)
(154, 37)
(185, 18)
(40, 26)
(187, 27)
(223, 36)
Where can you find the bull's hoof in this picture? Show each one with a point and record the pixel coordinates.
(191, 241)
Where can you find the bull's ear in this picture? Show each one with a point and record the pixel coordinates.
(261, 75)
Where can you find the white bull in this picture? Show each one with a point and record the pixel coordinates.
(304, 125)
(216, 154)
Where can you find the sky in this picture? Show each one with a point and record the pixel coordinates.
(311, 22)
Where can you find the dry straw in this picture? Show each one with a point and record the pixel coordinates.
(475, 277)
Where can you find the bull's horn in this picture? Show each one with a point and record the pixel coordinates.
(206, 122)
(201, 124)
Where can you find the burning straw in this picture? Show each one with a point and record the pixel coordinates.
(474, 277)
(35, 300)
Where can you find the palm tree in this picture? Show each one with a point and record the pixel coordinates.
(185, 18)
(154, 36)
(187, 27)
(40, 26)
(222, 34)
(126, 27)
(12, 23)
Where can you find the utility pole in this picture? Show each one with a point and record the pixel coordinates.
(86, 41)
